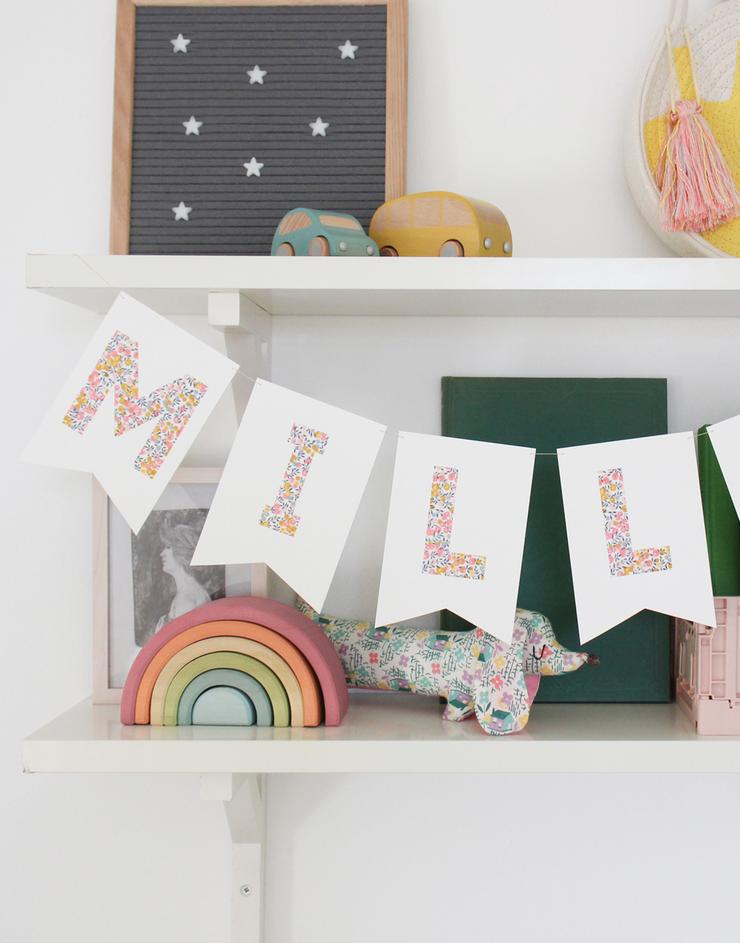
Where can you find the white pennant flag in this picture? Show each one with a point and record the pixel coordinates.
(456, 526)
(132, 406)
(635, 527)
(725, 438)
(290, 489)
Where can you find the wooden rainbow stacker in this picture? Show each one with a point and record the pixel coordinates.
(239, 660)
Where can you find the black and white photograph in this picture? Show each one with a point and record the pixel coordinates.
(143, 581)
(165, 585)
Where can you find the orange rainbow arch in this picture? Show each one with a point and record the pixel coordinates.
(271, 644)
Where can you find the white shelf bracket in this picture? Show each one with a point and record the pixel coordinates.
(233, 309)
(244, 804)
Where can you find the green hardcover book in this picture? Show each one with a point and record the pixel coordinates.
(548, 414)
(720, 522)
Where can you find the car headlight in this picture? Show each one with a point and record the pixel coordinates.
(342, 246)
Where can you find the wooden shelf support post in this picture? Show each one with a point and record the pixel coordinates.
(244, 804)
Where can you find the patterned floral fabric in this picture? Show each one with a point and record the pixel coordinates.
(623, 560)
(172, 404)
(280, 515)
(475, 672)
(439, 560)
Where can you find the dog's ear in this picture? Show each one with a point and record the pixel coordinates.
(501, 696)
(543, 654)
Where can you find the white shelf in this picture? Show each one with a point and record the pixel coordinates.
(516, 287)
(392, 734)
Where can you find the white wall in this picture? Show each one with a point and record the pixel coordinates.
(518, 103)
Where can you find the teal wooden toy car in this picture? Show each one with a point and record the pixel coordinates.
(315, 232)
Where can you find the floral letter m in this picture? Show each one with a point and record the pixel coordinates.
(172, 404)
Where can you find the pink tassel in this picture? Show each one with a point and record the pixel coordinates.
(697, 191)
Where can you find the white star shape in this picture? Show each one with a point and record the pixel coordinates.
(253, 167)
(256, 75)
(318, 127)
(180, 44)
(348, 50)
(192, 126)
(182, 212)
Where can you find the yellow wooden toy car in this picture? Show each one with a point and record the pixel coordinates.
(440, 223)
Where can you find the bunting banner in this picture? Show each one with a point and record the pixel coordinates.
(635, 526)
(455, 535)
(163, 385)
(290, 489)
(725, 438)
(298, 468)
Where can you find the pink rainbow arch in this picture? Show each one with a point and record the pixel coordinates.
(278, 617)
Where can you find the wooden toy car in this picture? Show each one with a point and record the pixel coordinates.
(315, 232)
(440, 223)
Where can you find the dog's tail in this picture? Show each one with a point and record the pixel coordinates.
(307, 610)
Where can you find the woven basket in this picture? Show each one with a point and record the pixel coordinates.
(714, 42)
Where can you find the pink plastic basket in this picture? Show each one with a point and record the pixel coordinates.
(707, 669)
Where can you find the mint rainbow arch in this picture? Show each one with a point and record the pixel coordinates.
(225, 678)
(271, 649)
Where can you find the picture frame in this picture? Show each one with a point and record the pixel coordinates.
(395, 105)
(141, 581)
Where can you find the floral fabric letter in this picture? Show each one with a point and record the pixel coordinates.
(160, 423)
(280, 515)
(439, 560)
(491, 507)
(270, 461)
(172, 404)
(661, 475)
(623, 560)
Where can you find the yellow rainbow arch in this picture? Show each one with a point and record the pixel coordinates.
(264, 665)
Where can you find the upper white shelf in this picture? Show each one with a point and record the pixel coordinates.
(516, 287)
(391, 734)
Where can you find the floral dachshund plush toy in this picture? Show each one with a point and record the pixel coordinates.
(473, 671)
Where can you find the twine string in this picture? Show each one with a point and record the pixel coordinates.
(672, 77)
(692, 67)
(674, 85)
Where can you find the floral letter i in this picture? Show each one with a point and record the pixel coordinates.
(280, 515)
(172, 404)
(623, 560)
(438, 558)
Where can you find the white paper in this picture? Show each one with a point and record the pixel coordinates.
(725, 438)
(324, 498)
(131, 471)
(658, 558)
(487, 522)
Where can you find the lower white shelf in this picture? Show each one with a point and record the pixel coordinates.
(388, 734)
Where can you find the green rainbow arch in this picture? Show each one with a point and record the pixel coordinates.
(238, 662)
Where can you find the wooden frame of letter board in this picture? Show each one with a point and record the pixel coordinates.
(123, 98)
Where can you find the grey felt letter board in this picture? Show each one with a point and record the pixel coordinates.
(239, 113)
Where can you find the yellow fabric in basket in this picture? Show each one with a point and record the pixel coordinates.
(723, 118)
